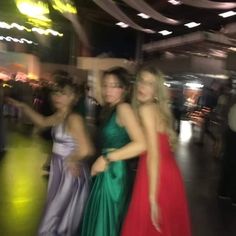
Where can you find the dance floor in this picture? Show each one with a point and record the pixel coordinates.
(23, 185)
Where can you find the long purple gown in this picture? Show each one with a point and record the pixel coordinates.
(66, 194)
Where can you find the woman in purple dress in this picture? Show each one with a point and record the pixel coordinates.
(69, 176)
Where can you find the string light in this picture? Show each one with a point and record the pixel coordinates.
(46, 31)
(16, 40)
(8, 26)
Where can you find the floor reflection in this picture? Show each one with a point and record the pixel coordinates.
(23, 189)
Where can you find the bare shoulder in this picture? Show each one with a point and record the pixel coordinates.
(125, 114)
(74, 119)
(147, 114)
(148, 110)
(124, 110)
(124, 107)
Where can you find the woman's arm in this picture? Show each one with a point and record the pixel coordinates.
(35, 117)
(148, 115)
(128, 120)
(76, 128)
(148, 119)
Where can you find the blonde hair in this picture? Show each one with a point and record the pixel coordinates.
(162, 100)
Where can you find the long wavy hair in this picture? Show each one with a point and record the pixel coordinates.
(161, 99)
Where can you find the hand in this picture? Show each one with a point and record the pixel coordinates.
(155, 216)
(73, 167)
(100, 165)
(14, 102)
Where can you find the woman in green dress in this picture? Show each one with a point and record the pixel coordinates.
(121, 138)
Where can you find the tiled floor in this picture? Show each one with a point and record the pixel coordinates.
(23, 187)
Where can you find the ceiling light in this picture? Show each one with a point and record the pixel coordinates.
(227, 14)
(193, 85)
(150, 31)
(165, 32)
(174, 2)
(144, 16)
(232, 49)
(192, 24)
(167, 85)
(122, 24)
(215, 76)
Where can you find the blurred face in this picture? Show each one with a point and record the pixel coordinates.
(112, 90)
(62, 98)
(146, 87)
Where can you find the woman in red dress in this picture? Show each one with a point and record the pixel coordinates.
(158, 205)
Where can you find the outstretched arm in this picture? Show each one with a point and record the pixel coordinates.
(36, 118)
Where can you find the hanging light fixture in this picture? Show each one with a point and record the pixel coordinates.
(68, 10)
(145, 8)
(209, 4)
(111, 8)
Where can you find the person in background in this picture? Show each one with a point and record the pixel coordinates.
(121, 138)
(177, 108)
(227, 188)
(46, 109)
(220, 116)
(158, 204)
(69, 176)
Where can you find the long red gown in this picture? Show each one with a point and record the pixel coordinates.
(171, 199)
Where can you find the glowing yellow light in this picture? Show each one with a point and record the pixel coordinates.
(38, 22)
(64, 6)
(32, 9)
(37, 10)
(32, 76)
(6, 85)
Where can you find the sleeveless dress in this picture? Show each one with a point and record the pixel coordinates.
(171, 199)
(67, 194)
(108, 198)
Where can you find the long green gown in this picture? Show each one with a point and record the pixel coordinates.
(107, 202)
